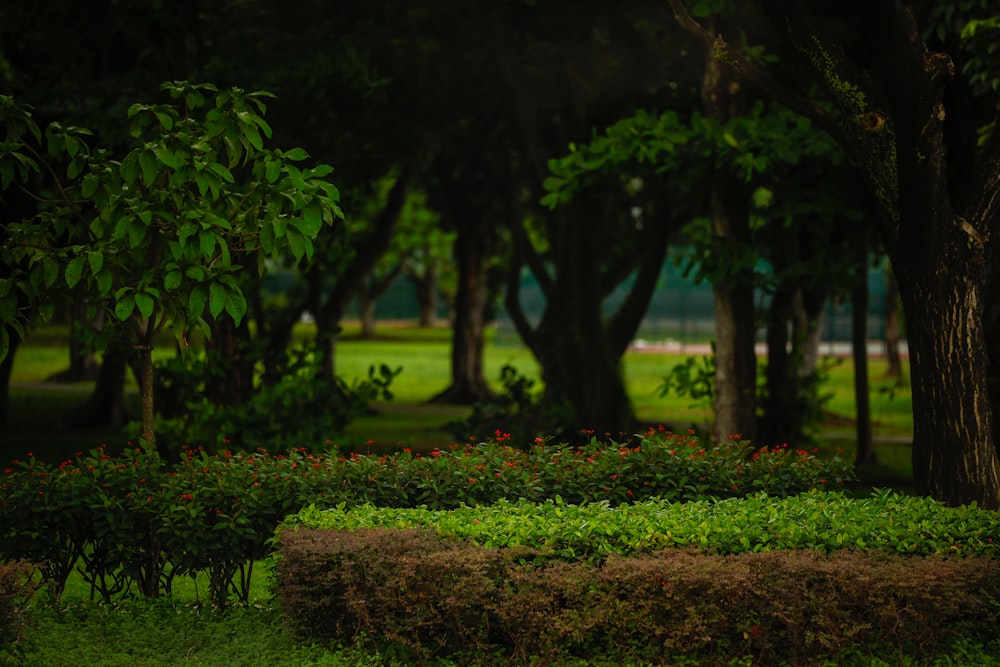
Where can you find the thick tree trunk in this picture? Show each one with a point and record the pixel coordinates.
(859, 348)
(954, 455)
(735, 328)
(468, 384)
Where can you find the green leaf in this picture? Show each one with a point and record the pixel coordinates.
(144, 302)
(104, 280)
(236, 305)
(730, 139)
(206, 240)
(173, 280)
(217, 299)
(50, 271)
(220, 170)
(74, 271)
(296, 242)
(195, 273)
(149, 166)
(125, 307)
(89, 185)
(136, 233)
(46, 310)
(197, 301)
(96, 260)
(312, 219)
(166, 120)
(296, 154)
(272, 171)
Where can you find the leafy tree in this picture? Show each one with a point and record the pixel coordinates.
(891, 110)
(168, 227)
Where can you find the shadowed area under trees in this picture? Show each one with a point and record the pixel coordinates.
(576, 142)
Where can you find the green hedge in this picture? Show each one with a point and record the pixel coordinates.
(132, 523)
(819, 520)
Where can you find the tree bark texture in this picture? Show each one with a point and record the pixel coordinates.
(735, 328)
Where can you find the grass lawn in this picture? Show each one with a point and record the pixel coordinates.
(410, 421)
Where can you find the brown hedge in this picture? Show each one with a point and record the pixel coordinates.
(17, 585)
(434, 596)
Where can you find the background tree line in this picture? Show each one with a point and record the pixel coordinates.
(577, 141)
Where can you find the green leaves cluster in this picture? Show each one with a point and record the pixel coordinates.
(818, 520)
(161, 234)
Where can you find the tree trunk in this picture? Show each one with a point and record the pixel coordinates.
(6, 369)
(468, 384)
(105, 407)
(807, 328)
(735, 326)
(426, 289)
(777, 425)
(894, 363)
(146, 390)
(954, 455)
(859, 349)
(234, 385)
(366, 305)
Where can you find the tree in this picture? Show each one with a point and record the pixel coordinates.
(890, 115)
(167, 228)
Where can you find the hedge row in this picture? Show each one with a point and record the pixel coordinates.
(439, 596)
(823, 521)
(132, 523)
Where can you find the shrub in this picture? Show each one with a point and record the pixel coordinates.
(17, 586)
(134, 523)
(434, 595)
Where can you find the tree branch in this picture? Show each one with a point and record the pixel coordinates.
(734, 58)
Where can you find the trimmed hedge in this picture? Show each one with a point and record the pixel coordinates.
(132, 523)
(819, 520)
(438, 596)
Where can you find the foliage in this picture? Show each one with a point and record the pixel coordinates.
(160, 236)
(821, 521)
(300, 408)
(132, 524)
(437, 596)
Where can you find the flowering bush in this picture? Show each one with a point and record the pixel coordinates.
(133, 523)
